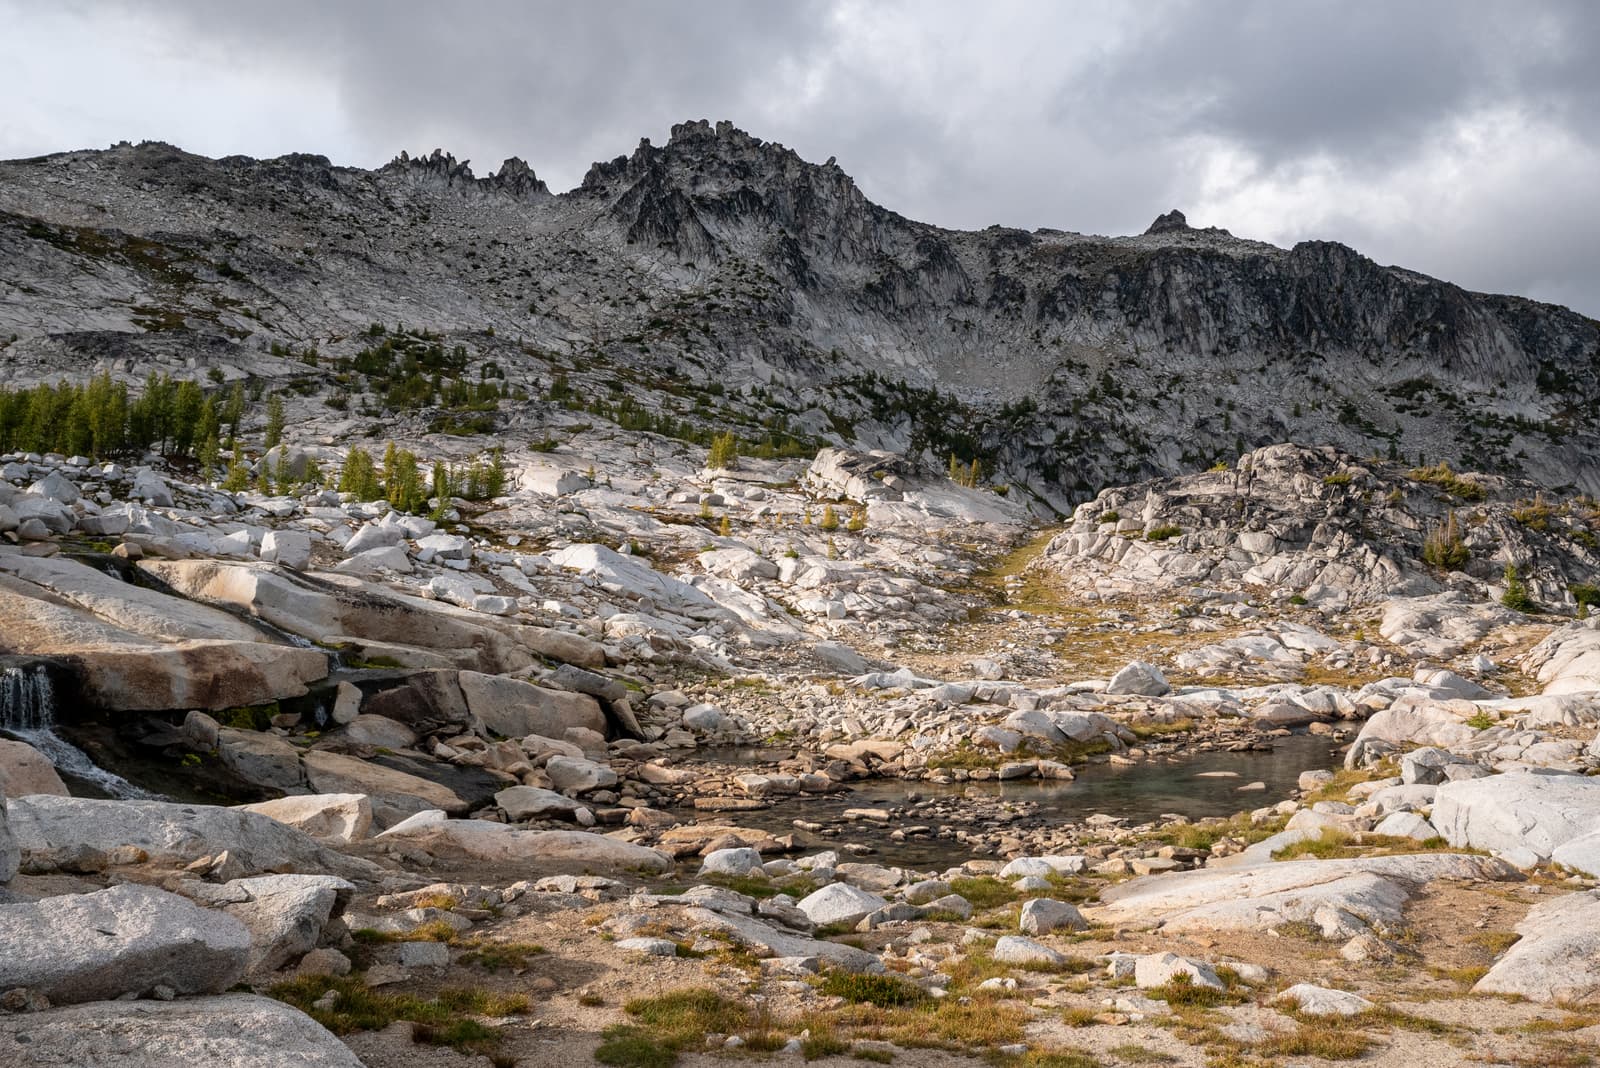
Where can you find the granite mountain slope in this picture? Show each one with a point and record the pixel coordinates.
(1063, 362)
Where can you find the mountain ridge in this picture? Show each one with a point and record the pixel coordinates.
(1065, 361)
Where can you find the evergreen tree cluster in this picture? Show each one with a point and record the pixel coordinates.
(399, 479)
(102, 418)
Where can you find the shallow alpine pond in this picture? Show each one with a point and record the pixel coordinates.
(1195, 786)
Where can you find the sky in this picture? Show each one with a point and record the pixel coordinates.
(1460, 138)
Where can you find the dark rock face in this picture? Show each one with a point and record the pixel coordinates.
(1166, 224)
(1064, 361)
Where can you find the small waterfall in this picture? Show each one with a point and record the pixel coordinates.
(27, 699)
(28, 712)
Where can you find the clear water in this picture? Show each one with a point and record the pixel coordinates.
(28, 714)
(1195, 786)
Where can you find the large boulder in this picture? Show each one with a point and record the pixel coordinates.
(427, 702)
(51, 829)
(531, 803)
(260, 758)
(1139, 678)
(1340, 896)
(512, 708)
(839, 903)
(631, 576)
(291, 548)
(337, 819)
(1526, 818)
(125, 940)
(139, 648)
(1159, 969)
(136, 649)
(393, 794)
(285, 914)
(1315, 1000)
(335, 608)
(1558, 957)
(1567, 660)
(546, 852)
(24, 770)
(1412, 721)
(576, 775)
(231, 1031)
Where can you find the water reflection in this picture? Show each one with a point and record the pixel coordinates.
(1195, 786)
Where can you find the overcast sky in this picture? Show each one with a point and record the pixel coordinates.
(1456, 137)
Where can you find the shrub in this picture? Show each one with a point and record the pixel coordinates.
(1443, 548)
(858, 520)
(830, 520)
(1339, 478)
(884, 991)
(1109, 517)
(1535, 514)
(1456, 485)
(1162, 532)
(1516, 595)
(1586, 595)
(724, 451)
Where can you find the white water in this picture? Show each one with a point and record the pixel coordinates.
(28, 711)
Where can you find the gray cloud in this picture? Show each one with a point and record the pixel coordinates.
(1456, 137)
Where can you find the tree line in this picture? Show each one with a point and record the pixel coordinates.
(102, 418)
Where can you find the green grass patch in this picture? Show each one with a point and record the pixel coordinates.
(885, 991)
(442, 1019)
(501, 956)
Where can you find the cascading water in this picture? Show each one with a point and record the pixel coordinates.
(28, 711)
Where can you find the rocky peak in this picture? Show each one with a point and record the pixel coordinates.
(1168, 223)
(516, 178)
(439, 165)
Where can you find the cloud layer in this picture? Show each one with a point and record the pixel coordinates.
(1456, 137)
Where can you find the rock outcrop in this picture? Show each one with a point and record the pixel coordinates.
(231, 1031)
(125, 940)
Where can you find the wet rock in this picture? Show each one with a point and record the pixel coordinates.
(23, 771)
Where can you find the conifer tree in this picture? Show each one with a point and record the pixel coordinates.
(275, 422)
